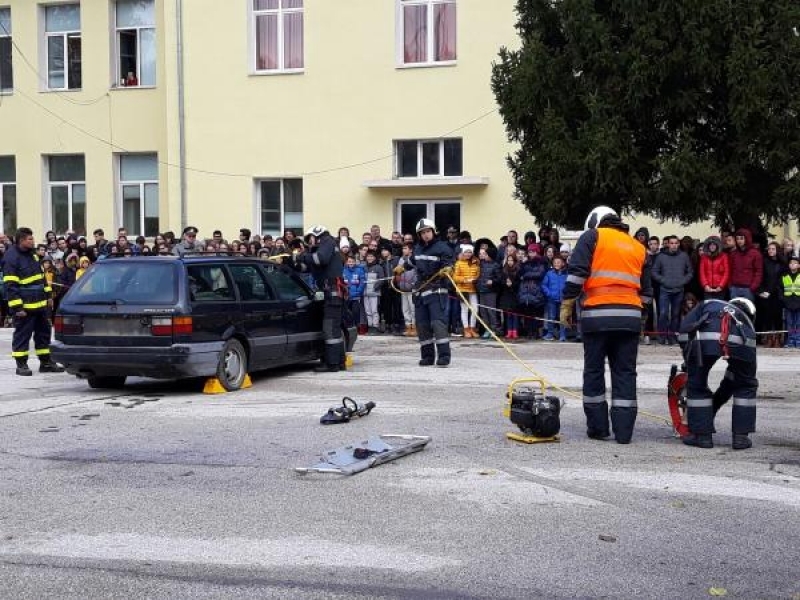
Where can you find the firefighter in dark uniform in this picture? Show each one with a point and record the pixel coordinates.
(717, 329)
(30, 302)
(324, 262)
(430, 256)
(608, 266)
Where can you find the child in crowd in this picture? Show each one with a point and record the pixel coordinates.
(488, 283)
(390, 300)
(83, 266)
(465, 273)
(507, 302)
(689, 302)
(355, 277)
(790, 284)
(372, 292)
(405, 282)
(553, 288)
(530, 296)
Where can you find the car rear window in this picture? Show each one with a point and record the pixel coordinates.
(126, 282)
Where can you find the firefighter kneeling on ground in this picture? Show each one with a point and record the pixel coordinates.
(30, 302)
(717, 329)
(324, 262)
(431, 256)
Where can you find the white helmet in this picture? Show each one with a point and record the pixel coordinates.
(745, 305)
(425, 224)
(316, 231)
(597, 215)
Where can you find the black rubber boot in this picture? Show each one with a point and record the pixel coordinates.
(325, 368)
(741, 441)
(699, 440)
(426, 362)
(597, 435)
(23, 368)
(48, 366)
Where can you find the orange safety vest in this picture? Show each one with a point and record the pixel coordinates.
(616, 270)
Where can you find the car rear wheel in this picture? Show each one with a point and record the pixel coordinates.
(108, 382)
(232, 365)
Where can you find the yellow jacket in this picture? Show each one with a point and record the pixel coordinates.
(465, 274)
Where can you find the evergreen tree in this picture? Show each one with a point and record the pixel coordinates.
(685, 109)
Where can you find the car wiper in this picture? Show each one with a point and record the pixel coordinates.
(114, 302)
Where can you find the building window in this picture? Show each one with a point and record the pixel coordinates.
(138, 193)
(63, 42)
(443, 212)
(427, 31)
(67, 176)
(280, 205)
(136, 43)
(8, 195)
(429, 158)
(278, 35)
(6, 69)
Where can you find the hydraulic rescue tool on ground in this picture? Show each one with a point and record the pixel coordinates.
(350, 409)
(676, 395)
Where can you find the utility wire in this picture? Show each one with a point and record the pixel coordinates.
(43, 80)
(114, 146)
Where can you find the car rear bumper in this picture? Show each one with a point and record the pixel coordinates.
(172, 362)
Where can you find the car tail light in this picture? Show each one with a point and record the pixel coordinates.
(68, 325)
(171, 326)
(182, 325)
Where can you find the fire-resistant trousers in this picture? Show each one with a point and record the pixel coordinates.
(334, 353)
(739, 382)
(621, 349)
(431, 317)
(35, 324)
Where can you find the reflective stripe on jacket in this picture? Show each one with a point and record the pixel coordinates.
(26, 286)
(616, 270)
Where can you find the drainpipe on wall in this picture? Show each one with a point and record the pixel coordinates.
(181, 113)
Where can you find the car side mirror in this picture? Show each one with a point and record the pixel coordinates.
(319, 296)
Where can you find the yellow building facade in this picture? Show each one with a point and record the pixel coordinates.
(265, 114)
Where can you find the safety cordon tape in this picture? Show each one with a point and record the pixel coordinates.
(445, 273)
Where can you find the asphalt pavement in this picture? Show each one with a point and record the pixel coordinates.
(160, 491)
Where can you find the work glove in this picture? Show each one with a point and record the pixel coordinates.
(446, 271)
(567, 310)
(398, 270)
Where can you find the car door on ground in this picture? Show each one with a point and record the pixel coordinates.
(262, 316)
(302, 313)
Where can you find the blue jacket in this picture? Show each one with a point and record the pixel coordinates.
(700, 332)
(356, 280)
(553, 284)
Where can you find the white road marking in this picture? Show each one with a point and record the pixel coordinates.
(491, 490)
(681, 483)
(297, 551)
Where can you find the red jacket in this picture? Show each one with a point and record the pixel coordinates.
(714, 268)
(747, 264)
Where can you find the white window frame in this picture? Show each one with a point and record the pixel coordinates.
(8, 35)
(259, 203)
(280, 12)
(65, 35)
(121, 184)
(120, 77)
(70, 185)
(419, 175)
(3, 186)
(430, 48)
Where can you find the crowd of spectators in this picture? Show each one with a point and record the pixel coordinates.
(514, 284)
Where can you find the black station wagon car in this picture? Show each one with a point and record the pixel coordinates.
(196, 316)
